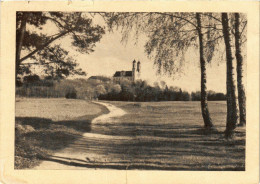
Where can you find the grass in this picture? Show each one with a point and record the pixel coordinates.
(44, 126)
(152, 135)
(170, 135)
(56, 109)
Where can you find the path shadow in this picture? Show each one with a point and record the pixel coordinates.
(82, 124)
(51, 135)
(164, 131)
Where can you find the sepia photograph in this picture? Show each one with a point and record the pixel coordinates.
(157, 90)
(134, 93)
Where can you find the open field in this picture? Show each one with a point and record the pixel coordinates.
(44, 126)
(169, 135)
(151, 135)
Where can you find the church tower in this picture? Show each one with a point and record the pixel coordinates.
(133, 70)
(139, 68)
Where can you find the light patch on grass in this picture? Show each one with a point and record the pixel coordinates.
(56, 109)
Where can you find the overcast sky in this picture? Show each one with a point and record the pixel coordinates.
(111, 55)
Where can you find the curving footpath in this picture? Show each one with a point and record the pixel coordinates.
(75, 156)
(113, 112)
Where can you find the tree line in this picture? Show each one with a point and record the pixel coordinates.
(103, 88)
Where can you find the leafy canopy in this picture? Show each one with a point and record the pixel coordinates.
(41, 47)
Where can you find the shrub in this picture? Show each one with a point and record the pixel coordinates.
(71, 94)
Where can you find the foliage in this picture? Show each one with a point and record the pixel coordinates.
(101, 78)
(33, 44)
(31, 79)
(57, 64)
(212, 96)
(71, 93)
(140, 91)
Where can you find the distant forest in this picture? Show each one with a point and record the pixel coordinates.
(103, 88)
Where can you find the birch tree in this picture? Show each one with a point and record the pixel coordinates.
(240, 63)
(232, 111)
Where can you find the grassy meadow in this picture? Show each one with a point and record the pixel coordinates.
(152, 135)
(44, 126)
(169, 135)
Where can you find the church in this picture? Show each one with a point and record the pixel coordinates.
(129, 75)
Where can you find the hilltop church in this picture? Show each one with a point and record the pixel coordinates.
(129, 75)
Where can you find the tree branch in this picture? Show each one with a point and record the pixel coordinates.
(55, 21)
(243, 29)
(213, 17)
(38, 63)
(178, 17)
(44, 45)
(221, 36)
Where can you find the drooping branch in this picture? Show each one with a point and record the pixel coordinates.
(209, 15)
(178, 17)
(243, 29)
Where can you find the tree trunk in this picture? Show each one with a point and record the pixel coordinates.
(204, 101)
(232, 111)
(240, 86)
(20, 43)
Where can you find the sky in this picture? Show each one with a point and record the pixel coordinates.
(112, 55)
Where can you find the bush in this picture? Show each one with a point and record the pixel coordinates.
(212, 96)
(71, 94)
(31, 79)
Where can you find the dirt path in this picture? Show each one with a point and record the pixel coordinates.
(113, 112)
(76, 156)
